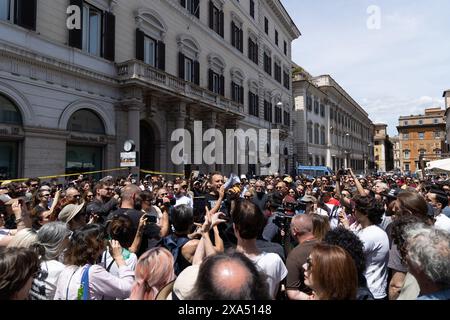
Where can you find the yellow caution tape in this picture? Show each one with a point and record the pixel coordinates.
(91, 172)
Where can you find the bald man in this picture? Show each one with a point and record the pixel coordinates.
(230, 276)
(302, 230)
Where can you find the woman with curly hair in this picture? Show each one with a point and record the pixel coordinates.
(83, 279)
(154, 270)
(369, 213)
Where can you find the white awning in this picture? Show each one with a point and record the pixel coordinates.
(439, 165)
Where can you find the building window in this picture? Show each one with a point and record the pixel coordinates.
(421, 135)
(267, 63)
(252, 8)
(192, 6)
(405, 136)
(278, 115)
(285, 48)
(310, 133)
(216, 83)
(237, 37)
(322, 110)
(287, 119)
(422, 152)
(317, 161)
(438, 152)
(253, 104)
(92, 29)
(420, 122)
(9, 114)
(85, 120)
(286, 79)
(406, 154)
(216, 19)
(316, 134)
(150, 51)
(267, 111)
(266, 25)
(435, 121)
(20, 12)
(322, 136)
(237, 93)
(81, 158)
(316, 107)
(253, 54)
(437, 134)
(189, 69)
(309, 103)
(405, 123)
(323, 161)
(276, 37)
(277, 72)
(9, 151)
(407, 168)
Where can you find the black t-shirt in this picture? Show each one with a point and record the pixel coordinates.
(150, 236)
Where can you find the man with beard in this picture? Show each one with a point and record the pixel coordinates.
(104, 203)
(260, 198)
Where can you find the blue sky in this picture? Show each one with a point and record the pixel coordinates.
(399, 69)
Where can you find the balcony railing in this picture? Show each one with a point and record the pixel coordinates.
(138, 70)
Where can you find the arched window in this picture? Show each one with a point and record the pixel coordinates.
(86, 121)
(9, 113)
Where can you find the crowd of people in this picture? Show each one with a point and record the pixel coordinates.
(208, 236)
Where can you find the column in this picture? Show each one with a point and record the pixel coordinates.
(177, 121)
(134, 118)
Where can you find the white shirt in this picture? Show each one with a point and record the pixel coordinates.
(44, 286)
(272, 265)
(109, 263)
(184, 200)
(376, 250)
(442, 222)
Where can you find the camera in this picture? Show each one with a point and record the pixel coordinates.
(150, 218)
(160, 202)
(342, 172)
(282, 220)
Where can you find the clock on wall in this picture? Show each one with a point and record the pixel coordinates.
(128, 145)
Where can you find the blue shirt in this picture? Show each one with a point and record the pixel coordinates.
(440, 295)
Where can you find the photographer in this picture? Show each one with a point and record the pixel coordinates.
(104, 202)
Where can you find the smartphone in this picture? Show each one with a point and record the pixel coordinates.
(150, 218)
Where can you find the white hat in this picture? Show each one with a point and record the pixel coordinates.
(185, 282)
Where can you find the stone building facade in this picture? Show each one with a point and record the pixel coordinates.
(70, 97)
(330, 128)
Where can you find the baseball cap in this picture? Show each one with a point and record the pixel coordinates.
(243, 176)
(69, 212)
(392, 193)
(309, 198)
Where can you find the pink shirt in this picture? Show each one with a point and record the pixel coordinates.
(102, 284)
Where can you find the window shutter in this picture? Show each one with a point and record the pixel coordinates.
(139, 45)
(196, 8)
(233, 95)
(197, 73)
(211, 14)
(222, 85)
(241, 40)
(183, 3)
(257, 106)
(221, 24)
(25, 14)
(76, 36)
(250, 48)
(161, 56)
(110, 36)
(257, 53)
(210, 80)
(181, 65)
(233, 34)
(241, 95)
(250, 103)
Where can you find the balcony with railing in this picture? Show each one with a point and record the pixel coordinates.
(134, 70)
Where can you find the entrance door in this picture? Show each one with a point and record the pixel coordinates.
(147, 149)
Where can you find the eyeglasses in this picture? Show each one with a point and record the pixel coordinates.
(308, 264)
(90, 196)
(279, 188)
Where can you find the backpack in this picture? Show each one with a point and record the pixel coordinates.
(174, 245)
